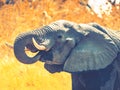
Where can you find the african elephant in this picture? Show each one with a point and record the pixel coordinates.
(90, 52)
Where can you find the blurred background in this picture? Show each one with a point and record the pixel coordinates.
(17, 16)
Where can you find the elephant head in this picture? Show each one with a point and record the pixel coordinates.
(25, 41)
(68, 46)
(48, 39)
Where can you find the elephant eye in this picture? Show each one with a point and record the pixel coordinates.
(59, 36)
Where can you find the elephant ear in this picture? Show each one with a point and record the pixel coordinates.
(93, 52)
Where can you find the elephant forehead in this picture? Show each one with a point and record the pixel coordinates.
(61, 24)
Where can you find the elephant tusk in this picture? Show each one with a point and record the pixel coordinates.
(39, 47)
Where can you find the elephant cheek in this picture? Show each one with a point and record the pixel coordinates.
(53, 68)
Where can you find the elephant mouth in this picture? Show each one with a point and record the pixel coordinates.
(53, 62)
(42, 47)
(53, 68)
(48, 58)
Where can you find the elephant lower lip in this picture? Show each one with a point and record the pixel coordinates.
(53, 63)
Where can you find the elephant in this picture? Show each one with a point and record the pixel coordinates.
(9, 2)
(90, 52)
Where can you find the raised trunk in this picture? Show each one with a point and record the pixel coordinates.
(26, 40)
(20, 43)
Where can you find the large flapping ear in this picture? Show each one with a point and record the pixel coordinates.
(97, 26)
(94, 51)
(113, 34)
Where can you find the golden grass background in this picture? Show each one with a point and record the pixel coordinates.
(26, 16)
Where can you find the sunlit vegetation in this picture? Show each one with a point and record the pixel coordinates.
(26, 16)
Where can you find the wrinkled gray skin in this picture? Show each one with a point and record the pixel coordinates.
(90, 52)
(51, 36)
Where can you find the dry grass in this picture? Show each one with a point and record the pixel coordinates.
(24, 16)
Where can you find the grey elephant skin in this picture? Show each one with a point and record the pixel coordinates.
(90, 52)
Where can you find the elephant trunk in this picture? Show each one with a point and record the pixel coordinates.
(19, 46)
(36, 39)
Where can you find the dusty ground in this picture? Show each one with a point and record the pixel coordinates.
(24, 16)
